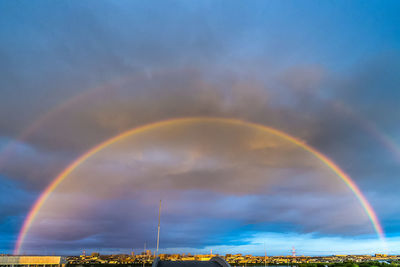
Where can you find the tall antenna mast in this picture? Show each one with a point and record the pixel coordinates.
(265, 256)
(158, 232)
(144, 254)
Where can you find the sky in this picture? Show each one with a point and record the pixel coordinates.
(74, 74)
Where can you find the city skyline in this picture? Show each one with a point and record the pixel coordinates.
(260, 126)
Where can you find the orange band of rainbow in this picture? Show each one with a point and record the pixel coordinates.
(328, 162)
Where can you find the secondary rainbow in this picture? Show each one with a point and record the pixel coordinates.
(328, 162)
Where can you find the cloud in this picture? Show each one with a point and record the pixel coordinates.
(216, 188)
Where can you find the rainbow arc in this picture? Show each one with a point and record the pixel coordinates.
(177, 121)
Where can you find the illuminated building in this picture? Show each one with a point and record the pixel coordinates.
(33, 260)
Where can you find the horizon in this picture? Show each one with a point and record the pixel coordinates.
(90, 253)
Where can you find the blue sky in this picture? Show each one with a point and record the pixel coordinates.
(73, 74)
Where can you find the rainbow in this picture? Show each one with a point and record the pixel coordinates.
(51, 114)
(324, 159)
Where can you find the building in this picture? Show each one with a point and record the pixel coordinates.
(45, 261)
(214, 262)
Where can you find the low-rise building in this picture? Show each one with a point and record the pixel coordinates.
(46, 261)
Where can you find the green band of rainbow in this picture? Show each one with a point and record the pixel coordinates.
(328, 162)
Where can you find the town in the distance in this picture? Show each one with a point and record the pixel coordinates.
(147, 258)
(233, 259)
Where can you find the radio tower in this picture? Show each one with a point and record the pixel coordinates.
(293, 252)
(265, 256)
(158, 229)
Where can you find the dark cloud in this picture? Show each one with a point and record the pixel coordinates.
(215, 179)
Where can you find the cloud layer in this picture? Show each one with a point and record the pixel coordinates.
(215, 179)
